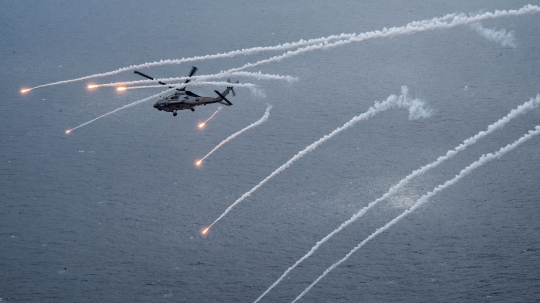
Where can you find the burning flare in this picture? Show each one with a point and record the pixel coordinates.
(205, 231)
(90, 86)
(121, 88)
(198, 163)
(202, 124)
(25, 90)
(68, 131)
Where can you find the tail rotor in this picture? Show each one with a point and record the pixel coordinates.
(232, 87)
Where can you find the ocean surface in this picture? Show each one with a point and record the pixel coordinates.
(113, 212)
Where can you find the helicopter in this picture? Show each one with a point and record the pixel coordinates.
(183, 99)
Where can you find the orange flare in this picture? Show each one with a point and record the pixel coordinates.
(25, 90)
(90, 86)
(205, 231)
(121, 89)
(198, 163)
(68, 131)
(201, 125)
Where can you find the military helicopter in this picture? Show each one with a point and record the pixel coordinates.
(184, 99)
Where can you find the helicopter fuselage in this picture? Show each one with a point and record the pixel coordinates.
(184, 99)
(181, 100)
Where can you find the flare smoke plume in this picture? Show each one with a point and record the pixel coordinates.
(501, 37)
(514, 113)
(416, 107)
(323, 43)
(481, 161)
(259, 122)
(121, 108)
(201, 125)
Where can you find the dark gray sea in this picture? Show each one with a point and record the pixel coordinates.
(113, 211)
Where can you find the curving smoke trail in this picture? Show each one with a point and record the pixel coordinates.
(411, 28)
(481, 161)
(260, 121)
(249, 51)
(416, 109)
(514, 113)
(121, 108)
(501, 37)
(322, 43)
(202, 124)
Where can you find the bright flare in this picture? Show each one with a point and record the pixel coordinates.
(198, 163)
(202, 124)
(121, 89)
(205, 231)
(90, 86)
(68, 131)
(25, 90)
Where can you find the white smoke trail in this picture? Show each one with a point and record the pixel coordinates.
(501, 37)
(457, 19)
(258, 76)
(201, 125)
(195, 83)
(121, 108)
(514, 113)
(260, 121)
(416, 108)
(481, 161)
(230, 54)
(261, 76)
(411, 28)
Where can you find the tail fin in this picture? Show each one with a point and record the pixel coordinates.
(223, 97)
(225, 103)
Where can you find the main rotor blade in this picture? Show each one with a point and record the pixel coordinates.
(193, 70)
(146, 76)
(191, 73)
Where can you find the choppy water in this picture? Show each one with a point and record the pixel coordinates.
(112, 212)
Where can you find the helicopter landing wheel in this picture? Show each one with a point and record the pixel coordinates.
(192, 109)
(174, 114)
